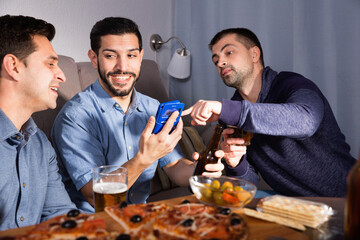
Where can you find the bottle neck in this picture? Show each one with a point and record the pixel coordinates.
(215, 139)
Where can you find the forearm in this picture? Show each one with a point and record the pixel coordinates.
(244, 171)
(135, 167)
(180, 171)
(298, 117)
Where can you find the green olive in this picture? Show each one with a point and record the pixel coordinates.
(206, 193)
(217, 196)
(215, 184)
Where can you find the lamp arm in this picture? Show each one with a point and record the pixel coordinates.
(156, 42)
(182, 45)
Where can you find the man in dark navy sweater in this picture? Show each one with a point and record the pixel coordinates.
(297, 146)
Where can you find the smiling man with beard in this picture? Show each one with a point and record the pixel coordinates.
(110, 123)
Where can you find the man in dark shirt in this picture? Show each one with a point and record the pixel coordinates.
(297, 145)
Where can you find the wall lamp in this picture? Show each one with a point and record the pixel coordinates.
(179, 66)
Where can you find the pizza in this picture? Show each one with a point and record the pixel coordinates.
(199, 221)
(73, 225)
(183, 221)
(136, 219)
(146, 222)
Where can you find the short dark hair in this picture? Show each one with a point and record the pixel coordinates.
(245, 36)
(112, 26)
(17, 33)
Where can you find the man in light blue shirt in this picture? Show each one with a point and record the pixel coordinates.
(31, 189)
(110, 123)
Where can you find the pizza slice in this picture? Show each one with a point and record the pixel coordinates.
(136, 219)
(73, 225)
(199, 221)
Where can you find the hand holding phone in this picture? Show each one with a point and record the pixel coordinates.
(163, 113)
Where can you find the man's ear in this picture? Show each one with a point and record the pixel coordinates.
(93, 58)
(142, 53)
(255, 53)
(10, 65)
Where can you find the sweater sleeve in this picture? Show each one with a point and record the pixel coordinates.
(244, 171)
(298, 116)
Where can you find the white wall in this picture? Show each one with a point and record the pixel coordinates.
(73, 20)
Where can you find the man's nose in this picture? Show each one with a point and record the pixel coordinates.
(222, 62)
(121, 64)
(60, 75)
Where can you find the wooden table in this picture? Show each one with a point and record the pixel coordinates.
(334, 229)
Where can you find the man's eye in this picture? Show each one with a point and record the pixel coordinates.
(109, 56)
(216, 62)
(132, 55)
(229, 52)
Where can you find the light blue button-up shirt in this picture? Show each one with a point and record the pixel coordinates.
(31, 189)
(92, 130)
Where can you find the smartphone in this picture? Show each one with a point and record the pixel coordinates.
(163, 113)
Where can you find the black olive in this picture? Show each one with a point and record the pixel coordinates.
(123, 204)
(185, 201)
(69, 224)
(136, 218)
(235, 221)
(82, 238)
(225, 211)
(123, 236)
(188, 222)
(73, 213)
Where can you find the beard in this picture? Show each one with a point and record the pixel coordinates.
(105, 78)
(237, 78)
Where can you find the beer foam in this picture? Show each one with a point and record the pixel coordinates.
(109, 187)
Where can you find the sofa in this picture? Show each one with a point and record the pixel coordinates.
(79, 75)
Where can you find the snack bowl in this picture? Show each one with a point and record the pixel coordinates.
(222, 191)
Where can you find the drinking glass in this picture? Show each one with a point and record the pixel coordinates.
(110, 185)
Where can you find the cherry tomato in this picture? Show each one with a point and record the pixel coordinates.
(229, 198)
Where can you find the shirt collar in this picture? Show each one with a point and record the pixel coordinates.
(268, 75)
(106, 102)
(8, 129)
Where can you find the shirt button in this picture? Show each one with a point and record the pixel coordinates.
(125, 123)
(131, 194)
(24, 185)
(22, 219)
(18, 137)
(130, 148)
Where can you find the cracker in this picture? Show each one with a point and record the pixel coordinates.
(308, 213)
(276, 219)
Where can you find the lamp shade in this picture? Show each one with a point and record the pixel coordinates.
(179, 66)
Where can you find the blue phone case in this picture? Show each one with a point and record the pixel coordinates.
(164, 111)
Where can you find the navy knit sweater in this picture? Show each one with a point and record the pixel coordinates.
(297, 146)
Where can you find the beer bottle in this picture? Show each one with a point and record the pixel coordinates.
(352, 207)
(208, 155)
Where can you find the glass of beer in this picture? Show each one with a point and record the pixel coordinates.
(110, 185)
(240, 133)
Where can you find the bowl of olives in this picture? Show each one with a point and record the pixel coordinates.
(222, 191)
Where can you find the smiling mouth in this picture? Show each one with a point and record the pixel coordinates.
(121, 78)
(55, 89)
